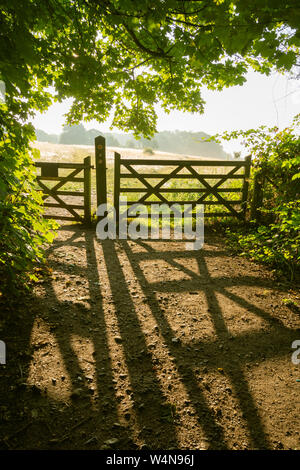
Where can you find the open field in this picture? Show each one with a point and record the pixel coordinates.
(74, 153)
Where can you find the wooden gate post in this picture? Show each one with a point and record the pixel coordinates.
(100, 159)
(117, 189)
(246, 184)
(87, 190)
(257, 197)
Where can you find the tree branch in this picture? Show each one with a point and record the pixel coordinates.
(157, 53)
(188, 23)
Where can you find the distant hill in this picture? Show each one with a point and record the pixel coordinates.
(42, 136)
(183, 142)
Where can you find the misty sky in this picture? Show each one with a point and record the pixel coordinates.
(271, 101)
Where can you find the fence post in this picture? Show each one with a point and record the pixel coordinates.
(100, 159)
(246, 184)
(257, 198)
(117, 189)
(87, 190)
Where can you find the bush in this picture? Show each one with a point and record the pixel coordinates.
(274, 238)
(23, 230)
(276, 244)
(148, 151)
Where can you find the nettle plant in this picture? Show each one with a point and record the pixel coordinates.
(23, 231)
(274, 238)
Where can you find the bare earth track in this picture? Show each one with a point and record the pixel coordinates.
(131, 345)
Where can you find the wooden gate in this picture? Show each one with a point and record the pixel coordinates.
(50, 171)
(210, 190)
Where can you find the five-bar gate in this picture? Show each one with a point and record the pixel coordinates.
(210, 190)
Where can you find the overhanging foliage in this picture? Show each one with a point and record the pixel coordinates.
(127, 55)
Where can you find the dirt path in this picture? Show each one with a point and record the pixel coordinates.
(133, 345)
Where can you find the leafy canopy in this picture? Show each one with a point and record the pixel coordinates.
(127, 55)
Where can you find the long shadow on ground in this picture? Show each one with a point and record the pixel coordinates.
(111, 393)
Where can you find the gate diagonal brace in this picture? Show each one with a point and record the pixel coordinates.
(143, 181)
(65, 180)
(212, 189)
(154, 189)
(48, 191)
